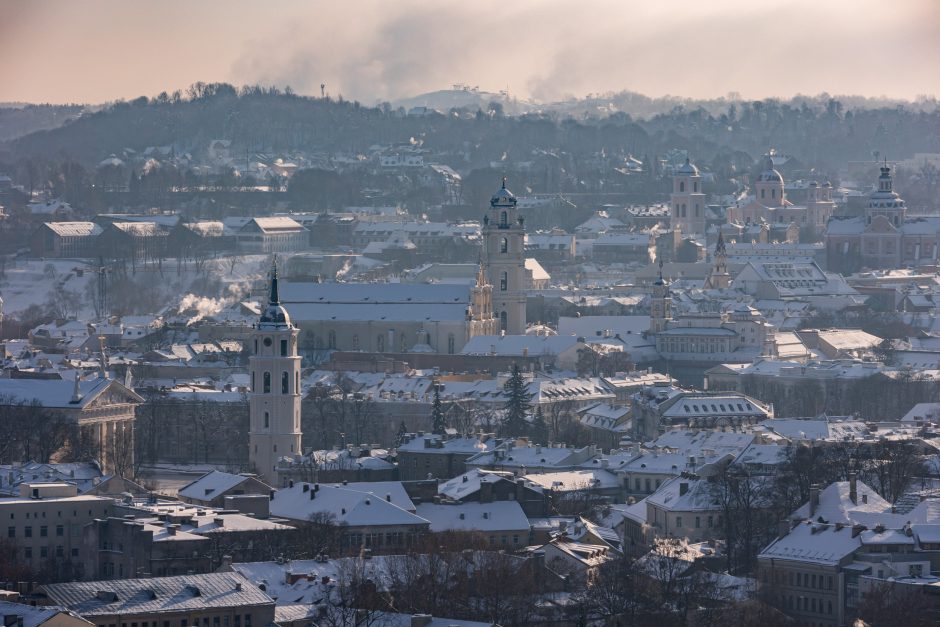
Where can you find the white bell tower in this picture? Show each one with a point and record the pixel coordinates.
(274, 401)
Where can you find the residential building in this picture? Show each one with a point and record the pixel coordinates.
(186, 601)
(65, 239)
(45, 524)
(211, 489)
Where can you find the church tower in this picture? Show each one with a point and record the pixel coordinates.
(687, 201)
(504, 254)
(768, 188)
(274, 401)
(719, 278)
(885, 201)
(660, 304)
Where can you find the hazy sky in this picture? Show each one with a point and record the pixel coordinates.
(97, 50)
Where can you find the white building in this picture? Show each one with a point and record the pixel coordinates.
(274, 401)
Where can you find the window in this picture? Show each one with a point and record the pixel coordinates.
(267, 420)
(504, 245)
(28, 552)
(43, 531)
(331, 340)
(285, 382)
(28, 531)
(266, 382)
(503, 281)
(451, 344)
(43, 551)
(503, 321)
(59, 530)
(356, 342)
(678, 521)
(681, 186)
(283, 348)
(503, 219)
(253, 389)
(698, 522)
(59, 551)
(380, 343)
(695, 186)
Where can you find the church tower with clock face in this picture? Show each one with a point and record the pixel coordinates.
(274, 401)
(504, 255)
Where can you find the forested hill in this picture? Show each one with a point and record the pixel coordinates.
(256, 119)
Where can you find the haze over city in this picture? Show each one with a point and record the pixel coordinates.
(547, 50)
(470, 314)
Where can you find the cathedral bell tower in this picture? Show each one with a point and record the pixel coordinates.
(504, 254)
(274, 401)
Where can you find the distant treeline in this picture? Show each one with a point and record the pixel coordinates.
(825, 133)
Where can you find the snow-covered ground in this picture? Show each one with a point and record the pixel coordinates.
(33, 282)
(30, 283)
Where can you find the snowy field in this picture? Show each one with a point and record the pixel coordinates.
(34, 281)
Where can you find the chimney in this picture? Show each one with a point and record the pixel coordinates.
(813, 499)
(853, 487)
(486, 492)
(171, 529)
(388, 497)
(218, 520)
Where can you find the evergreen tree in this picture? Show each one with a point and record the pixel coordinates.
(438, 423)
(518, 405)
(539, 431)
(400, 438)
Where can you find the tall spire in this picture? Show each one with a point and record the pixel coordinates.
(720, 244)
(275, 299)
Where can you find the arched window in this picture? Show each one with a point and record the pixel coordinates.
(503, 281)
(503, 321)
(504, 245)
(283, 348)
(503, 219)
(695, 186)
(698, 211)
(266, 382)
(681, 186)
(685, 211)
(773, 193)
(285, 382)
(451, 344)
(762, 192)
(256, 346)
(332, 340)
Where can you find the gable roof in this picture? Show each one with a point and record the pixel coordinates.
(157, 594)
(211, 485)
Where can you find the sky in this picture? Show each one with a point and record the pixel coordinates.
(100, 50)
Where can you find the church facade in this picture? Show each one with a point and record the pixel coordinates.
(770, 205)
(885, 237)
